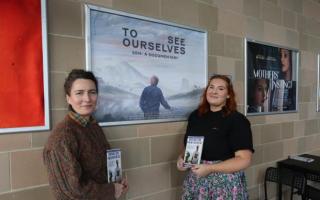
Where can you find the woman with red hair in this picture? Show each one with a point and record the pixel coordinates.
(227, 148)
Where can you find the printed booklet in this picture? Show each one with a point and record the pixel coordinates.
(114, 165)
(193, 150)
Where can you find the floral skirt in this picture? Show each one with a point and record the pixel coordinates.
(215, 186)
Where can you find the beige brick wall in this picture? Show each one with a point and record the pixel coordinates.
(149, 150)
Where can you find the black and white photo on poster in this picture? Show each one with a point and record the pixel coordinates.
(148, 70)
(271, 79)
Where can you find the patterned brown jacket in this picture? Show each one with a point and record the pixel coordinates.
(75, 159)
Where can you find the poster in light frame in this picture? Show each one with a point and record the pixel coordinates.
(318, 83)
(271, 78)
(148, 70)
(24, 66)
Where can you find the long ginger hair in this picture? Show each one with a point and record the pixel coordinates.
(231, 104)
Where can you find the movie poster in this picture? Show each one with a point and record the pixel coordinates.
(148, 70)
(271, 79)
(24, 104)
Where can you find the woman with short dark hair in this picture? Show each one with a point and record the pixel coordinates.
(75, 153)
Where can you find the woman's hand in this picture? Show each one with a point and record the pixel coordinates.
(180, 162)
(120, 188)
(124, 182)
(202, 170)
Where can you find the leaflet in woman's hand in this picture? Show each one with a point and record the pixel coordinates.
(193, 150)
(114, 169)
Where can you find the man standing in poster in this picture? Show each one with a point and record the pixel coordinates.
(151, 98)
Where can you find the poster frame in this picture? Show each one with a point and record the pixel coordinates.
(204, 76)
(295, 70)
(45, 76)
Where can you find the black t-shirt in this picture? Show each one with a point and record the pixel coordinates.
(223, 136)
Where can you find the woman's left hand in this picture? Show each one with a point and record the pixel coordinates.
(124, 182)
(202, 170)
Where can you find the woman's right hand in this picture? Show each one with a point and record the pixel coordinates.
(180, 162)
